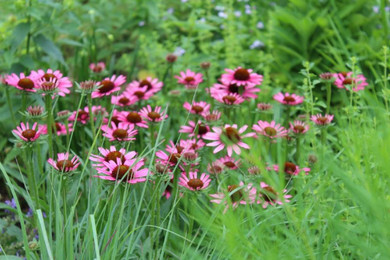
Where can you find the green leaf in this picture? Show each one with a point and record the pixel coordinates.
(20, 32)
(49, 47)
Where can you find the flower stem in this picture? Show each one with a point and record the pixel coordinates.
(328, 97)
(48, 104)
(11, 110)
(91, 119)
(298, 149)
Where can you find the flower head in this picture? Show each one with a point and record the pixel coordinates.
(270, 130)
(64, 163)
(52, 81)
(198, 108)
(320, 119)
(22, 82)
(109, 86)
(230, 162)
(132, 118)
(199, 129)
(189, 79)
(97, 67)
(288, 99)
(348, 81)
(268, 196)
(299, 127)
(111, 154)
(241, 77)
(230, 99)
(122, 132)
(193, 182)
(153, 115)
(124, 99)
(245, 91)
(150, 85)
(28, 134)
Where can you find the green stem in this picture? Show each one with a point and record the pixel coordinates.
(48, 102)
(91, 118)
(328, 97)
(11, 110)
(31, 179)
(298, 149)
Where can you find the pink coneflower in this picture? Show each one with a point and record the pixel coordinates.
(290, 169)
(51, 87)
(320, 119)
(299, 127)
(122, 132)
(190, 79)
(268, 196)
(199, 129)
(111, 154)
(132, 118)
(97, 67)
(28, 134)
(63, 84)
(264, 106)
(229, 99)
(35, 111)
(288, 99)
(22, 82)
(270, 130)
(246, 92)
(347, 81)
(115, 118)
(152, 85)
(230, 133)
(123, 100)
(241, 77)
(109, 86)
(197, 108)
(192, 182)
(128, 171)
(64, 163)
(153, 115)
(58, 128)
(194, 144)
(215, 167)
(82, 116)
(212, 116)
(140, 93)
(230, 162)
(235, 195)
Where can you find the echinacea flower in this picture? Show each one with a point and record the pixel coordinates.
(199, 129)
(111, 154)
(35, 111)
(245, 91)
(264, 106)
(124, 99)
(232, 135)
(268, 196)
(299, 127)
(235, 195)
(50, 79)
(288, 99)
(241, 77)
(97, 67)
(270, 130)
(197, 108)
(28, 134)
(128, 171)
(291, 169)
(229, 162)
(346, 80)
(64, 163)
(193, 182)
(230, 99)
(320, 119)
(140, 93)
(82, 115)
(116, 114)
(153, 85)
(109, 86)
(58, 128)
(189, 79)
(132, 118)
(153, 115)
(122, 132)
(215, 167)
(22, 82)
(212, 116)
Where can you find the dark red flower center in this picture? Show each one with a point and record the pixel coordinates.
(299, 128)
(123, 100)
(106, 86)
(237, 195)
(98, 68)
(115, 119)
(49, 76)
(48, 86)
(229, 99)
(347, 81)
(197, 109)
(133, 117)
(229, 164)
(174, 158)
(64, 165)
(289, 168)
(29, 134)
(82, 115)
(202, 129)
(112, 156)
(233, 88)
(119, 133)
(154, 115)
(189, 79)
(179, 148)
(289, 99)
(241, 74)
(270, 131)
(232, 134)
(26, 83)
(146, 83)
(345, 74)
(323, 120)
(140, 94)
(195, 183)
(269, 194)
(122, 172)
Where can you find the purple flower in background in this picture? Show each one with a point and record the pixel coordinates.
(222, 14)
(237, 13)
(142, 23)
(10, 203)
(257, 44)
(170, 10)
(179, 51)
(260, 25)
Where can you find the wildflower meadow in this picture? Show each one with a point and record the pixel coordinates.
(194, 129)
